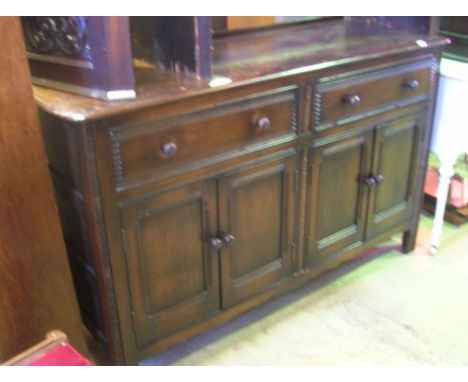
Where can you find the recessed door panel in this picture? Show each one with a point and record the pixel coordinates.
(256, 207)
(337, 196)
(173, 273)
(395, 154)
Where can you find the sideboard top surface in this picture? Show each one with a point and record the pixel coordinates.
(246, 59)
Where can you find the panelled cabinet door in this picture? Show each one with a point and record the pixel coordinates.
(172, 270)
(337, 196)
(394, 168)
(257, 213)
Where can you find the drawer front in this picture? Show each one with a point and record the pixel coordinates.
(369, 91)
(185, 139)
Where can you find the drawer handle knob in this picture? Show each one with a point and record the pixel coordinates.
(411, 84)
(263, 123)
(228, 239)
(351, 99)
(378, 179)
(370, 181)
(169, 149)
(215, 242)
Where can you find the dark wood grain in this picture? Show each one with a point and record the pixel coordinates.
(426, 120)
(371, 90)
(204, 133)
(395, 160)
(183, 44)
(257, 207)
(290, 192)
(337, 196)
(173, 269)
(36, 290)
(73, 169)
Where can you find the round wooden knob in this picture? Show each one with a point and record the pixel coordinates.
(378, 179)
(169, 149)
(228, 239)
(215, 242)
(411, 84)
(263, 123)
(370, 181)
(351, 99)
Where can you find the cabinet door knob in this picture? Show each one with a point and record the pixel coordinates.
(263, 123)
(351, 99)
(169, 149)
(370, 181)
(215, 242)
(228, 239)
(411, 84)
(378, 179)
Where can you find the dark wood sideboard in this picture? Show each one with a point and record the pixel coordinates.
(201, 199)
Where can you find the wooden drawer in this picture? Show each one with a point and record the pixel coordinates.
(201, 134)
(366, 92)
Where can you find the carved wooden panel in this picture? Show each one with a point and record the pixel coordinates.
(337, 196)
(88, 55)
(172, 272)
(257, 207)
(60, 36)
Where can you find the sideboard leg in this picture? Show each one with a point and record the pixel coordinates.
(409, 240)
